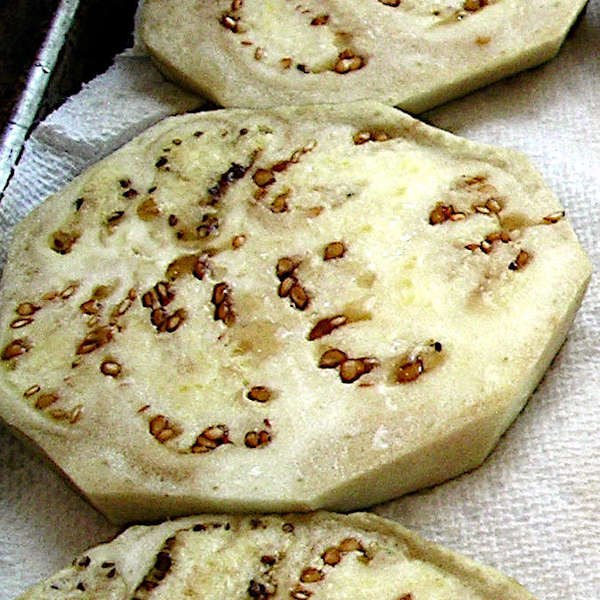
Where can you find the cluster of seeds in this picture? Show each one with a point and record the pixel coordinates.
(350, 369)
(258, 438)
(266, 176)
(211, 438)
(445, 212)
(348, 61)
(45, 400)
(289, 285)
(162, 565)
(234, 173)
(163, 429)
(490, 203)
(487, 245)
(364, 136)
(156, 299)
(330, 557)
(223, 302)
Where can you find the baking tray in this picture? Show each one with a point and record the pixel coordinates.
(81, 41)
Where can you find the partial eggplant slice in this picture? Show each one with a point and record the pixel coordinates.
(321, 556)
(414, 54)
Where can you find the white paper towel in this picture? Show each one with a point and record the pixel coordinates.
(533, 508)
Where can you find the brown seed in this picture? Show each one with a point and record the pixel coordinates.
(354, 368)
(173, 322)
(380, 136)
(14, 349)
(473, 247)
(75, 414)
(334, 250)
(350, 545)
(257, 439)
(230, 22)
(220, 293)
(332, 556)
(31, 391)
(479, 208)
(26, 309)
(330, 359)
(125, 183)
(259, 53)
(158, 317)
(115, 216)
(408, 596)
(474, 5)
(238, 241)
(300, 593)
(391, 2)
(216, 433)
(21, 322)
(554, 217)
(279, 204)
(45, 401)
(224, 312)
(131, 193)
(150, 299)
(259, 393)
(201, 267)
(90, 307)
(285, 267)
(311, 575)
(320, 20)
(494, 205)
(409, 371)
(299, 296)
(326, 326)
(347, 62)
(157, 424)
(263, 177)
(69, 291)
(285, 286)
(286, 63)
(93, 340)
(486, 246)
(519, 262)
(173, 220)
(441, 213)
(161, 162)
(110, 368)
(361, 137)
(164, 293)
(165, 435)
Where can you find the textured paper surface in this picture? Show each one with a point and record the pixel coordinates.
(533, 508)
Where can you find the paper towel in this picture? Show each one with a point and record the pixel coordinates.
(533, 508)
